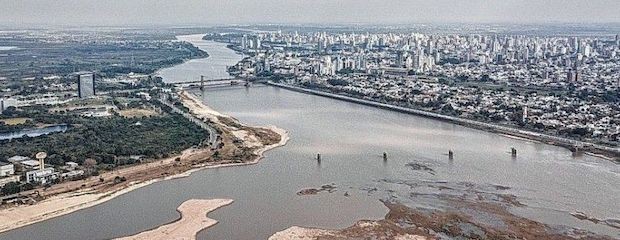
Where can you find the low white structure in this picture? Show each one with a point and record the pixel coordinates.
(18, 159)
(72, 174)
(6, 169)
(71, 165)
(5, 180)
(30, 164)
(42, 176)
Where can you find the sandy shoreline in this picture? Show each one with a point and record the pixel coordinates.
(69, 202)
(366, 230)
(193, 220)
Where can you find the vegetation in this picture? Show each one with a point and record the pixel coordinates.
(5, 128)
(11, 188)
(61, 53)
(109, 140)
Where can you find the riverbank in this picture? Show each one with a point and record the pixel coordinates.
(609, 153)
(65, 198)
(193, 219)
(473, 220)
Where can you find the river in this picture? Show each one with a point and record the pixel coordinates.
(549, 180)
(213, 67)
(33, 132)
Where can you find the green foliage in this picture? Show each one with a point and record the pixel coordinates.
(10, 188)
(107, 139)
(337, 82)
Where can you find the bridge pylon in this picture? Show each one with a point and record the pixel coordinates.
(202, 82)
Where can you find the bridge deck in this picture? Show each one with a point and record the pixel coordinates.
(207, 81)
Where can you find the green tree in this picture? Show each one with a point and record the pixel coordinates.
(11, 188)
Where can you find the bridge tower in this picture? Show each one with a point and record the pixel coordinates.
(202, 82)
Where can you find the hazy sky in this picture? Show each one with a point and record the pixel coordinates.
(180, 12)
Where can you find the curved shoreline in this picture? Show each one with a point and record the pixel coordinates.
(65, 203)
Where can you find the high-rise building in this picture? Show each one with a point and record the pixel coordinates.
(266, 65)
(400, 58)
(257, 44)
(86, 85)
(1, 106)
(571, 76)
(244, 42)
(524, 115)
(526, 55)
(574, 43)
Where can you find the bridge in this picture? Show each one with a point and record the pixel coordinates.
(203, 82)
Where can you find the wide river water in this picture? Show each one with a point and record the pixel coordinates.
(549, 180)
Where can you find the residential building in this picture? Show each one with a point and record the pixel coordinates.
(41, 176)
(6, 169)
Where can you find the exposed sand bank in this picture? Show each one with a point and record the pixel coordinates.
(473, 214)
(71, 196)
(362, 229)
(193, 219)
(301, 233)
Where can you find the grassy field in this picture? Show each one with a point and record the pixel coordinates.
(138, 112)
(14, 121)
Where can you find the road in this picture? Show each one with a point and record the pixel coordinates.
(213, 135)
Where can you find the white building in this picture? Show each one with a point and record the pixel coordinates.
(71, 165)
(30, 164)
(5, 180)
(6, 169)
(72, 174)
(18, 159)
(42, 176)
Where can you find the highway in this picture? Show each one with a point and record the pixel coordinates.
(213, 135)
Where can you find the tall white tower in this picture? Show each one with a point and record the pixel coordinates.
(41, 157)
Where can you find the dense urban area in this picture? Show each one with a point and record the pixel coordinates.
(562, 85)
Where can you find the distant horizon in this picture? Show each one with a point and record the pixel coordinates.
(308, 24)
(72, 13)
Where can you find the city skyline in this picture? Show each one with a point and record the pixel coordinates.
(309, 119)
(34, 13)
